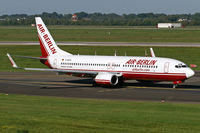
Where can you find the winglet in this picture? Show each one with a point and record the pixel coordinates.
(152, 52)
(12, 61)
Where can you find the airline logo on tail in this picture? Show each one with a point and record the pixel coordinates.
(46, 38)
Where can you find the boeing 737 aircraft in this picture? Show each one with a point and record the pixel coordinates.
(106, 70)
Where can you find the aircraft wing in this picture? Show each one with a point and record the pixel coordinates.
(60, 71)
(51, 70)
(29, 57)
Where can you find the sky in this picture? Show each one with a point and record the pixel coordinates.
(103, 6)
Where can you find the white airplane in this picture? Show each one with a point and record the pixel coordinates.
(106, 70)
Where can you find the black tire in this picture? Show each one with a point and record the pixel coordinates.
(120, 82)
(94, 84)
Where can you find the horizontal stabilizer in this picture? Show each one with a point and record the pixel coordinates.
(12, 61)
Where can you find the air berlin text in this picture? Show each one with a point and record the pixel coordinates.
(47, 39)
(141, 62)
(53, 50)
(41, 28)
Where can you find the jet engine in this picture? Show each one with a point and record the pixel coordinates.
(107, 79)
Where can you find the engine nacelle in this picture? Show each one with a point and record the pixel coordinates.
(106, 79)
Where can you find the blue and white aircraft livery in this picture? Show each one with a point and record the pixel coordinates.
(106, 70)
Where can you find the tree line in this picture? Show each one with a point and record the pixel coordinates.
(110, 19)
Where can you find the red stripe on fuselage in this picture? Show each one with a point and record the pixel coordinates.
(156, 77)
(144, 75)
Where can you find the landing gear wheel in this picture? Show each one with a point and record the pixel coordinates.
(175, 85)
(120, 82)
(94, 84)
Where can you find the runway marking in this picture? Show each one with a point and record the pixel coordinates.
(101, 91)
(52, 83)
(39, 85)
(160, 88)
(47, 83)
(110, 90)
(137, 87)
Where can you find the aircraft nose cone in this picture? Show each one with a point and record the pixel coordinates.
(190, 73)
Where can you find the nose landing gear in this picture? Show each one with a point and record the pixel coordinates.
(176, 83)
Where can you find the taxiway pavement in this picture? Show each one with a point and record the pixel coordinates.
(109, 44)
(50, 84)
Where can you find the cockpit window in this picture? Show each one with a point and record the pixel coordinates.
(181, 66)
(184, 65)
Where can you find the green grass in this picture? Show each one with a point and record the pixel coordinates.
(104, 34)
(189, 55)
(34, 114)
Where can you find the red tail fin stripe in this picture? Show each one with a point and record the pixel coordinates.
(44, 51)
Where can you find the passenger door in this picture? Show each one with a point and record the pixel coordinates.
(166, 67)
(55, 63)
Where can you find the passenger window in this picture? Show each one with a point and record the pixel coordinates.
(184, 66)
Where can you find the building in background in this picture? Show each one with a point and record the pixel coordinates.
(169, 25)
(74, 18)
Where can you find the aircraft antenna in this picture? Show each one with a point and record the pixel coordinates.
(145, 53)
(95, 52)
(115, 53)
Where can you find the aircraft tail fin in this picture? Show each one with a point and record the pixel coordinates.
(47, 43)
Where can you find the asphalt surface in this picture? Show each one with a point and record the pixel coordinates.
(50, 84)
(109, 44)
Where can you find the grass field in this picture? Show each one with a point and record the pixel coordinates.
(104, 34)
(189, 55)
(34, 114)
